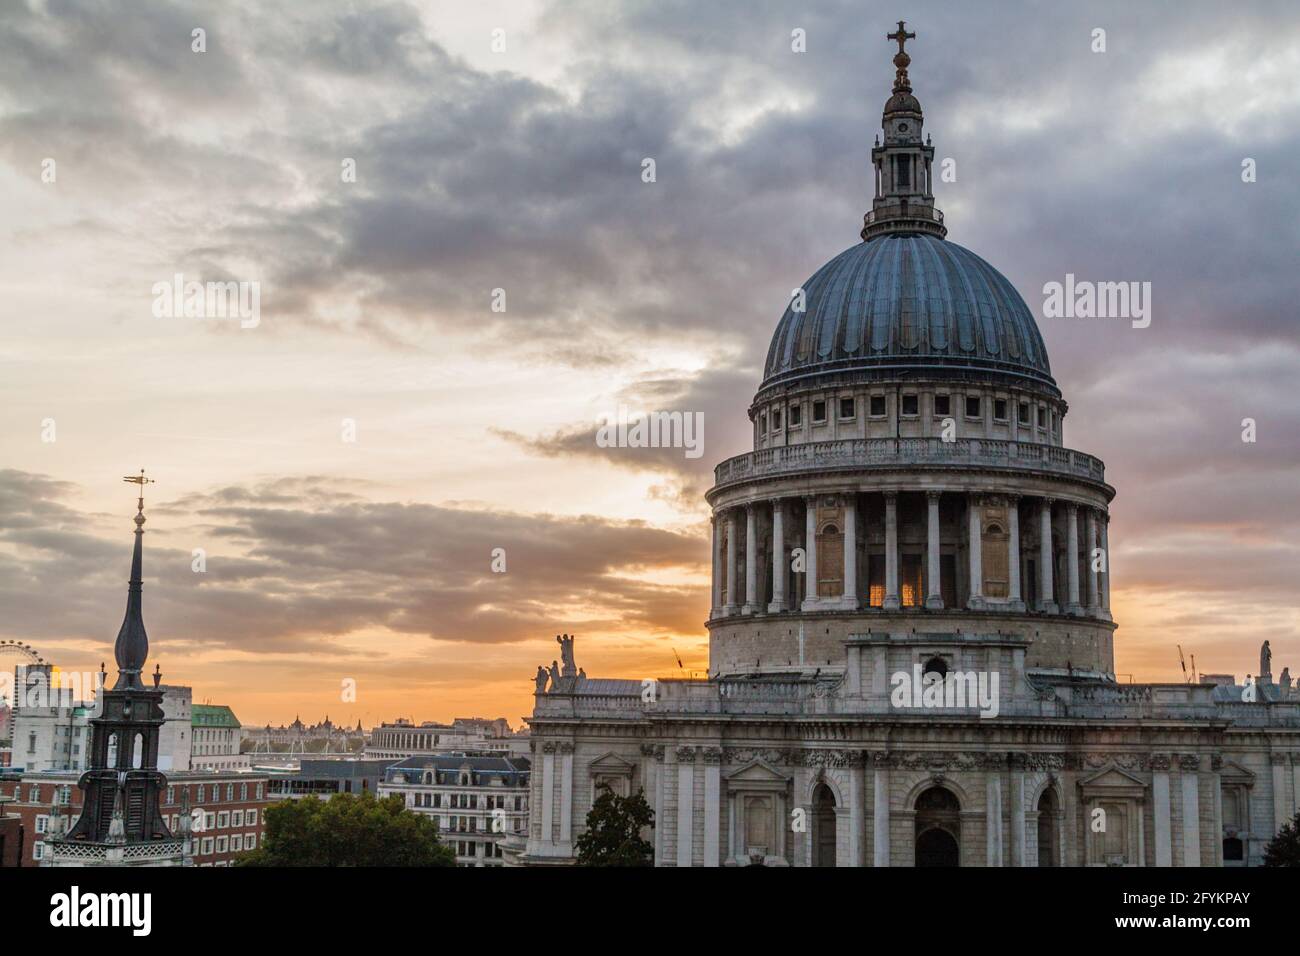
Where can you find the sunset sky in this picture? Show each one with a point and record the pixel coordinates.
(521, 170)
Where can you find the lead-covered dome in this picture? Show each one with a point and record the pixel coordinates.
(908, 302)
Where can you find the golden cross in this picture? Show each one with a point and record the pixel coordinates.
(902, 36)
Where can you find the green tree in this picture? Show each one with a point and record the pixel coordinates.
(348, 830)
(1284, 849)
(613, 835)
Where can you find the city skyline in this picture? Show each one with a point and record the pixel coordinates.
(330, 560)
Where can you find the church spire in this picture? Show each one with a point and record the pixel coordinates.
(904, 199)
(132, 645)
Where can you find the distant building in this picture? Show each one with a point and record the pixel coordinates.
(402, 738)
(323, 777)
(216, 737)
(51, 727)
(174, 742)
(477, 800)
(300, 738)
(12, 836)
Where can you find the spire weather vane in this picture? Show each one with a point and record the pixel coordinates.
(140, 480)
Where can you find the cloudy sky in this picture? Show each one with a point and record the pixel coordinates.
(126, 157)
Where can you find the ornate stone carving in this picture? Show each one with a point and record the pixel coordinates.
(1160, 763)
(686, 755)
(1189, 763)
(712, 755)
(566, 747)
(548, 747)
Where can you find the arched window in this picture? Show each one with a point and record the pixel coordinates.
(1048, 823)
(137, 752)
(823, 841)
(938, 828)
(936, 665)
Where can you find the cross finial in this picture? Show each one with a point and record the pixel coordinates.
(902, 36)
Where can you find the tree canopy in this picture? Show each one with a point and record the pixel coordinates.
(348, 830)
(1284, 849)
(613, 835)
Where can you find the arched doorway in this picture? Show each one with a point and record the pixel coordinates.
(936, 847)
(823, 831)
(1048, 828)
(938, 828)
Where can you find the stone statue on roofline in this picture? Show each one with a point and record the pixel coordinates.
(566, 654)
(1265, 663)
(555, 676)
(540, 680)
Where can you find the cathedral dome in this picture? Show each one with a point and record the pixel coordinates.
(908, 303)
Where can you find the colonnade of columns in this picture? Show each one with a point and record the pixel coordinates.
(1078, 594)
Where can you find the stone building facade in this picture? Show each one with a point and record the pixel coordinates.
(911, 642)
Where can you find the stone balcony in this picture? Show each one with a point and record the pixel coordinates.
(903, 453)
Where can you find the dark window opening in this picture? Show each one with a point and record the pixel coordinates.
(846, 408)
(877, 406)
(972, 407)
(795, 415)
(911, 405)
(819, 411)
(1000, 409)
(941, 405)
(1023, 414)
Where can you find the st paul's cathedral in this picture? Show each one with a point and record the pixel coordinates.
(911, 643)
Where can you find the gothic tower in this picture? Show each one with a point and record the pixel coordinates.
(121, 822)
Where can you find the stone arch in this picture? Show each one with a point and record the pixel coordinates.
(935, 780)
(823, 778)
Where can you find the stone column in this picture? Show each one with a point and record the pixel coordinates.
(850, 599)
(1190, 766)
(892, 602)
(653, 777)
(712, 806)
(1160, 810)
(778, 556)
(685, 805)
(1045, 602)
(934, 587)
(1094, 599)
(1072, 557)
(974, 540)
(857, 824)
(1280, 803)
(810, 555)
(880, 816)
(1105, 575)
(566, 793)
(993, 818)
(717, 566)
(751, 560)
(1014, 598)
(1019, 856)
(548, 793)
(733, 606)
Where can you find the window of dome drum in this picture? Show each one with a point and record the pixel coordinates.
(877, 406)
(846, 408)
(1000, 409)
(911, 405)
(776, 419)
(819, 411)
(972, 407)
(795, 416)
(1022, 414)
(942, 405)
(936, 665)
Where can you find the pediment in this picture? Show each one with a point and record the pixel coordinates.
(1114, 780)
(611, 763)
(1235, 773)
(757, 771)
